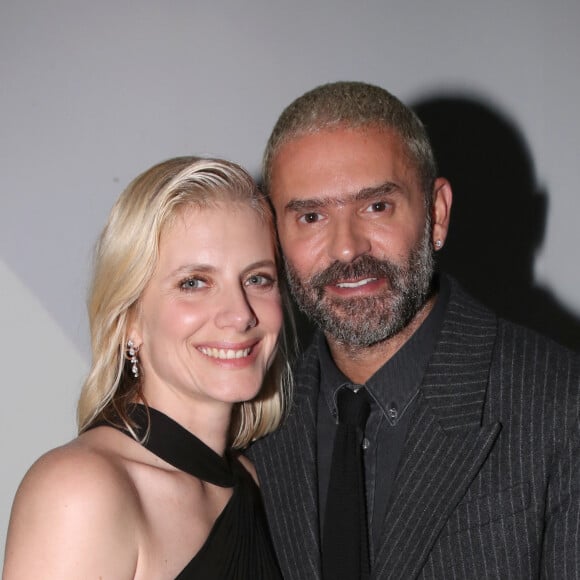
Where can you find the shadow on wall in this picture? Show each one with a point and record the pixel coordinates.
(498, 215)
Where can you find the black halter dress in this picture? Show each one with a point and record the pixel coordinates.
(238, 546)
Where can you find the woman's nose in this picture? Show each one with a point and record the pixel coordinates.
(235, 311)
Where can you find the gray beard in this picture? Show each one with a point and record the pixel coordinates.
(367, 320)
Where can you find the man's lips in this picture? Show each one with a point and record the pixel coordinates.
(355, 287)
(355, 283)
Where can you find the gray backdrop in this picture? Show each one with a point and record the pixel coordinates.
(92, 93)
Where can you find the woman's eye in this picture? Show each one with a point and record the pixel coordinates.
(193, 284)
(259, 280)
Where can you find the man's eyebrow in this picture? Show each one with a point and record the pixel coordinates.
(368, 193)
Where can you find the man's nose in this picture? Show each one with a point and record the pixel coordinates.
(348, 239)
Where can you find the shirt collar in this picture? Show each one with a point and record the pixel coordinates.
(394, 386)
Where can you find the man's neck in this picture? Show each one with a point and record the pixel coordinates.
(361, 363)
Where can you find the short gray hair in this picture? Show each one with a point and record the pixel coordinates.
(353, 104)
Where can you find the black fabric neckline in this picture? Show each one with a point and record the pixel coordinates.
(177, 446)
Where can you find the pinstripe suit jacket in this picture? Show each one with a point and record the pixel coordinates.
(488, 485)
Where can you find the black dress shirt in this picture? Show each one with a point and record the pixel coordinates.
(393, 389)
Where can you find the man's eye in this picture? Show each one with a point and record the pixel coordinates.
(192, 284)
(309, 218)
(378, 206)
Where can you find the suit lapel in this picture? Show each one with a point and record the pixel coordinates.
(437, 467)
(286, 465)
(446, 444)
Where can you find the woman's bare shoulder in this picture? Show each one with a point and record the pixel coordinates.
(75, 511)
(80, 470)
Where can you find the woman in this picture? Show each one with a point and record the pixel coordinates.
(188, 367)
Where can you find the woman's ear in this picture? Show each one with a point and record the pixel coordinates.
(440, 212)
(134, 340)
(134, 330)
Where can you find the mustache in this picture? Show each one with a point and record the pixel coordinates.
(363, 267)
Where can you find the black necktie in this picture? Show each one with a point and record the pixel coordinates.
(345, 538)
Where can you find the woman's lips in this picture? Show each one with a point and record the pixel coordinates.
(224, 353)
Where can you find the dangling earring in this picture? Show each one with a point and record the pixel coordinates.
(132, 351)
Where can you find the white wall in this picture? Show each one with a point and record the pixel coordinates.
(91, 93)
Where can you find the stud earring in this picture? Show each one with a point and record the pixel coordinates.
(132, 351)
(438, 244)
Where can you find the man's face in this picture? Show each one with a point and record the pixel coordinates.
(354, 230)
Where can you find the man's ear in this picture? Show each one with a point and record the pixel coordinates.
(440, 211)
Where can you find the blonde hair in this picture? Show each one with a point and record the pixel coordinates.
(125, 257)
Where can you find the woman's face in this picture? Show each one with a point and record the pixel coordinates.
(208, 320)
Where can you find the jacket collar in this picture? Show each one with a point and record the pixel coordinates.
(445, 447)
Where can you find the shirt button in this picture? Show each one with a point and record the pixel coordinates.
(365, 444)
(393, 412)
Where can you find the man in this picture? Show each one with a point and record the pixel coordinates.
(472, 445)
